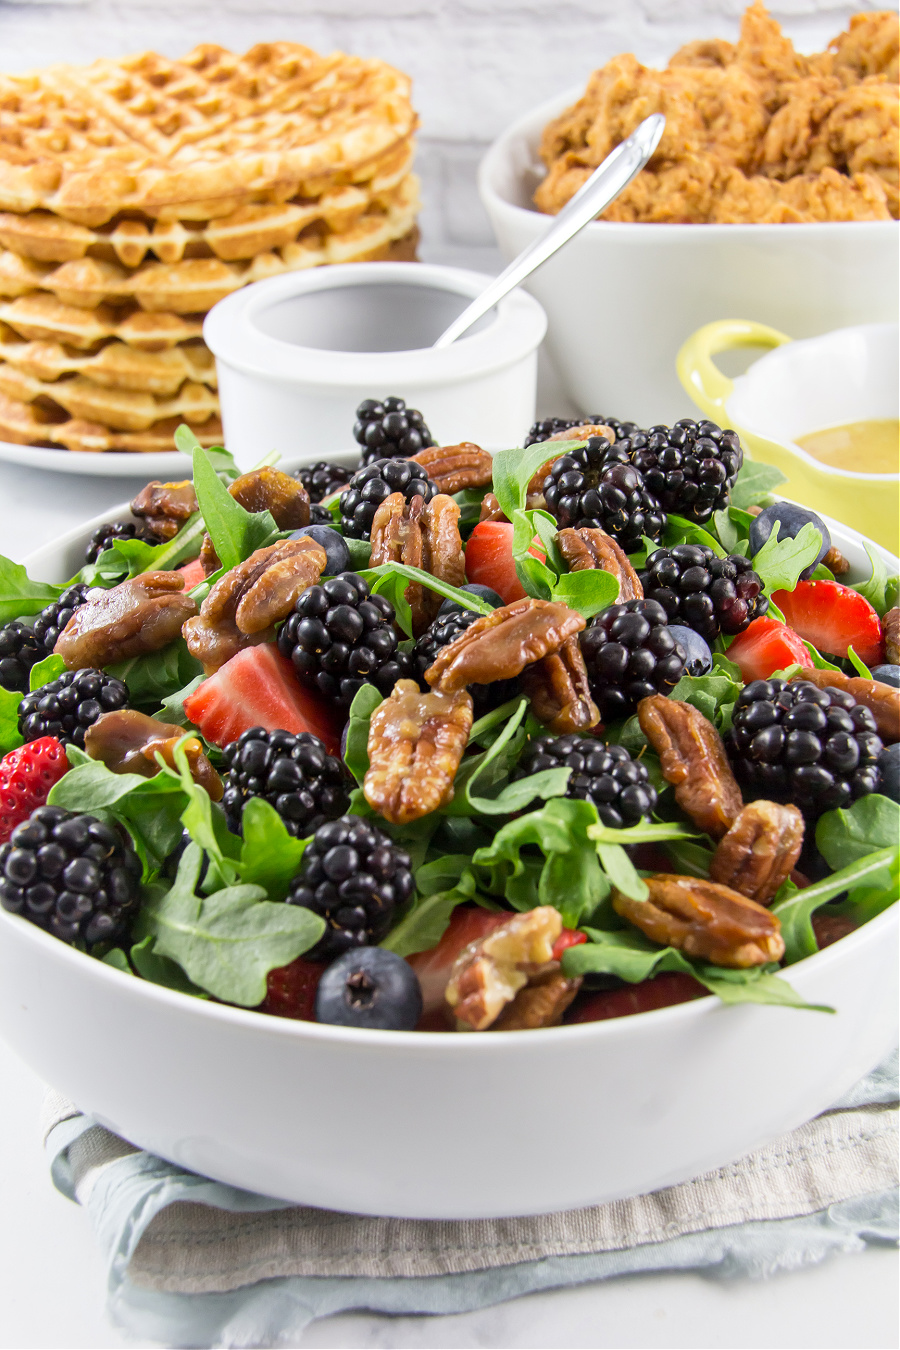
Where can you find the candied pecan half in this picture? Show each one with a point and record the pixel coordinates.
(693, 760)
(541, 1003)
(559, 691)
(890, 626)
(165, 506)
(702, 918)
(138, 616)
(490, 509)
(128, 741)
(759, 851)
(835, 561)
(586, 549)
(454, 467)
(488, 974)
(420, 535)
(416, 742)
(882, 700)
(500, 645)
(244, 605)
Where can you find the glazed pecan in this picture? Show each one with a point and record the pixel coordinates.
(890, 626)
(243, 606)
(284, 497)
(557, 686)
(138, 616)
(583, 431)
(165, 506)
(420, 535)
(541, 1003)
(586, 549)
(488, 974)
(702, 918)
(454, 467)
(416, 742)
(835, 561)
(882, 700)
(128, 741)
(500, 645)
(693, 760)
(759, 851)
(490, 509)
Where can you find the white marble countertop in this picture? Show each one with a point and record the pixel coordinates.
(51, 1275)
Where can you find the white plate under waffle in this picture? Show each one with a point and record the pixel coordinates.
(106, 464)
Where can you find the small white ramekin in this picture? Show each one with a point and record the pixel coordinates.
(291, 376)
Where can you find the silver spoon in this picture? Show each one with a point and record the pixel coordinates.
(603, 186)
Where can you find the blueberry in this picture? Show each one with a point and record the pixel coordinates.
(699, 657)
(791, 519)
(337, 554)
(370, 987)
(887, 675)
(889, 764)
(474, 588)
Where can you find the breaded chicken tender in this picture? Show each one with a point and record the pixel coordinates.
(755, 131)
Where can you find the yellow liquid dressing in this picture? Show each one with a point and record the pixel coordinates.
(859, 447)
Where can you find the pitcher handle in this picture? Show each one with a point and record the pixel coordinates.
(699, 374)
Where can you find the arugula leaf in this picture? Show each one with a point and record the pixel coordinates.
(356, 750)
(681, 531)
(19, 595)
(858, 665)
(42, 672)
(819, 661)
(795, 908)
(219, 458)
(464, 598)
(205, 822)
(118, 960)
(690, 860)
(483, 728)
(270, 856)
(360, 551)
(226, 942)
(235, 533)
(513, 470)
(536, 577)
(498, 759)
(726, 530)
(713, 695)
(588, 591)
(10, 737)
(516, 796)
(755, 482)
(161, 970)
(172, 709)
(847, 836)
(780, 561)
(621, 871)
(648, 832)
(874, 588)
(158, 675)
(426, 920)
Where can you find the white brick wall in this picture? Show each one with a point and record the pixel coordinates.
(477, 64)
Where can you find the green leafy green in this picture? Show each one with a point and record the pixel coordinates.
(647, 832)
(228, 941)
(386, 580)
(425, 921)
(42, 672)
(235, 533)
(10, 737)
(714, 695)
(681, 531)
(161, 970)
(858, 665)
(780, 561)
(172, 709)
(588, 591)
(489, 767)
(689, 859)
(514, 469)
(356, 753)
(620, 870)
(755, 482)
(360, 551)
(219, 458)
(848, 836)
(873, 876)
(536, 578)
(19, 595)
(205, 822)
(127, 558)
(874, 588)
(516, 796)
(158, 675)
(118, 960)
(270, 856)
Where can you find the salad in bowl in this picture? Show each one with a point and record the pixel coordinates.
(450, 741)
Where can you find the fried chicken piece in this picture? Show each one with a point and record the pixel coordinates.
(706, 52)
(768, 57)
(796, 127)
(868, 47)
(860, 135)
(808, 197)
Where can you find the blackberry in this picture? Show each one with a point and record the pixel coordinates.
(22, 647)
(606, 775)
(319, 515)
(355, 877)
(66, 707)
(369, 486)
(597, 487)
(709, 594)
(630, 654)
(323, 478)
(294, 774)
(106, 535)
(339, 637)
(444, 630)
(386, 429)
(71, 874)
(817, 748)
(550, 426)
(689, 468)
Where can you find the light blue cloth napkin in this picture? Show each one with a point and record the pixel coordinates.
(193, 1262)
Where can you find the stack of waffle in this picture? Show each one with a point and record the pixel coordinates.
(135, 194)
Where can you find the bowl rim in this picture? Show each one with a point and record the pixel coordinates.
(407, 1040)
(498, 153)
(742, 384)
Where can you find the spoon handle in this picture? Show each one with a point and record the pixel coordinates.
(603, 186)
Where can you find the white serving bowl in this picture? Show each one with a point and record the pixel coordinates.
(297, 354)
(621, 299)
(437, 1126)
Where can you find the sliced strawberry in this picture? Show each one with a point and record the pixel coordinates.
(489, 560)
(258, 688)
(766, 646)
(833, 618)
(291, 990)
(468, 923)
(193, 573)
(569, 937)
(26, 777)
(662, 991)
